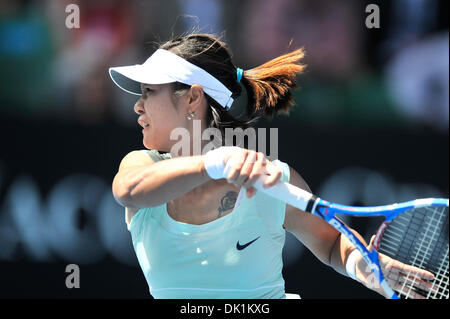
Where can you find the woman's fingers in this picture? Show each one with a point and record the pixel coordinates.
(274, 175)
(394, 266)
(406, 290)
(398, 277)
(235, 162)
(258, 169)
(263, 167)
(407, 278)
(415, 271)
(418, 282)
(247, 166)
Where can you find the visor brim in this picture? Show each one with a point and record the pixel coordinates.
(130, 78)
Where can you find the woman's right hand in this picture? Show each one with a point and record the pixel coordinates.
(244, 167)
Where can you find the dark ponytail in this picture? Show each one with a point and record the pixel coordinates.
(268, 86)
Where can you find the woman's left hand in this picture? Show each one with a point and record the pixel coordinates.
(401, 276)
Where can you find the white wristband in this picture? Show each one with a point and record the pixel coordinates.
(350, 265)
(214, 161)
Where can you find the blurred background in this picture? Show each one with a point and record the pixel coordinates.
(370, 126)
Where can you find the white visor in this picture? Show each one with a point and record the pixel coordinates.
(166, 67)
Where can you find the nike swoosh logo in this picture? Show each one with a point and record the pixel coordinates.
(240, 247)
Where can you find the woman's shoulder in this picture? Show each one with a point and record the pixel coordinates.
(153, 154)
(156, 155)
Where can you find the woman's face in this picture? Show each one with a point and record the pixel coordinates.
(158, 116)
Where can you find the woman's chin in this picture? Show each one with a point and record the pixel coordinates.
(151, 146)
(148, 145)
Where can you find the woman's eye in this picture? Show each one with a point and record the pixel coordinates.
(148, 90)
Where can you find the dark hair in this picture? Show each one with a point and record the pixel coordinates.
(268, 86)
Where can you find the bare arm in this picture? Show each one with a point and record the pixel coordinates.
(140, 182)
(333, 249)
(325, 242)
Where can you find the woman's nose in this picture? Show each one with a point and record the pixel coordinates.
(139, 107)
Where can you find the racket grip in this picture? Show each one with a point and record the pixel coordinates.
(285, 192)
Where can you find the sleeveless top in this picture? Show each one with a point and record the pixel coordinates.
(236, 256)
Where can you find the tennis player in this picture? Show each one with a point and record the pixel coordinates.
(199, 228)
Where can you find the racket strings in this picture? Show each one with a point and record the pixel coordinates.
(419, 237)
(441, 269)
(424, 251)
(441, 280)
(399, 242)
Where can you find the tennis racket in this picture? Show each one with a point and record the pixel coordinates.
(414, 233)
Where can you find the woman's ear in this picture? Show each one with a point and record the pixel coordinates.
(195, 96)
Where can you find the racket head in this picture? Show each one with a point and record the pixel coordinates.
(417, 235)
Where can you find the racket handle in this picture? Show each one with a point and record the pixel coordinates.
(285, 192)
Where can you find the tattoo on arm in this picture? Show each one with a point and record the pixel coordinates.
(227, 202)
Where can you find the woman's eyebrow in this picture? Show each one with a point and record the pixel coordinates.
(144, 86)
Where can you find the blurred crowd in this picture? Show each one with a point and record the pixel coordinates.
(395, 74)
